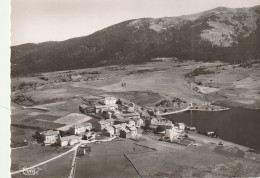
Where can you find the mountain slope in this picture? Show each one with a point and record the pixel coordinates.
(225, 34)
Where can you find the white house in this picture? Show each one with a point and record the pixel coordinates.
(130, 123)
(172, 134)
(181, 126)
(154, 122)
(133, 131)
(130, 115)
(108, 101)
(109, 131)
(50, 136)
(102, 124)
(69, 140)
(80, 128)
(118, 127)
(101, 108)
(139, 122)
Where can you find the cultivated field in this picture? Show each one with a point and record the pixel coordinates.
(58, 168)
(32, 155)
(145, 85)
(108, 160)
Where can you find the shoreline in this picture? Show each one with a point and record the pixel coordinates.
(189, 109)
(174, 112)
(224, 109)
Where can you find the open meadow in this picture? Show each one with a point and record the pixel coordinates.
(145, 84)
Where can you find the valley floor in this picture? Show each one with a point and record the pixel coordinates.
(145, 85)
(148, 83)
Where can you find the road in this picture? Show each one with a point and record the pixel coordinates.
(44, 162)
(74, 148)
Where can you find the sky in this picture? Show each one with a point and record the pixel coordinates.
(35, 21)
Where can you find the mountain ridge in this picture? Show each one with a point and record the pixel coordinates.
(225, 34)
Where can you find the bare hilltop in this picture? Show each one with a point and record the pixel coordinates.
(221, 34)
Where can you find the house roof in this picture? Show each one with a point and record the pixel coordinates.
(71, 137)
(118, 116)
(102, 122)
(100, 106)
(109, 98)
(130, 114)
(153, 118)
(137, 119)
(109, 128)
(106, 111)
(110, 120)
(118, 126)
(106, 121)
(50, 132)
(125, 130)
(83, 106)
(81, 125)
(72, 119)
(132, 128)
(89, 134)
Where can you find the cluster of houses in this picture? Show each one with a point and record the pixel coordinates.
(172, 132)
(124, 129)
(156, 122)
(175, 133)
(78, 132)
(117, 119)
(120, 119)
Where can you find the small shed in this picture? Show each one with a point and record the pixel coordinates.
(84, 150)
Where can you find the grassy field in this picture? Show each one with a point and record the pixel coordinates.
(180, 161)
(58, 168)
(44, 117)
(143, 98)
(34, 123)
(32, 155)
(108, 160)
(153, 158)
(18, 136)
(226, 83)
(147, 157)
(236, 85)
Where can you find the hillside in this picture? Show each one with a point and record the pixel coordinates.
(225, 34)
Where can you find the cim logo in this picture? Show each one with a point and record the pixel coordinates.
(31, 172)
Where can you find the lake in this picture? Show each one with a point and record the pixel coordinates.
(237, 125)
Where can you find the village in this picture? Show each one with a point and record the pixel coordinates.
(79, 128)
(116, 119)
(119, 125)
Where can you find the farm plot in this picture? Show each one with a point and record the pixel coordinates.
(34, 123)
(42, 117)
(32, 155)
(72, 119)
(58, 168)
(108, 160)
(18, 135)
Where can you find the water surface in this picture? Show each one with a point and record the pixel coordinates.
(237, 125)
